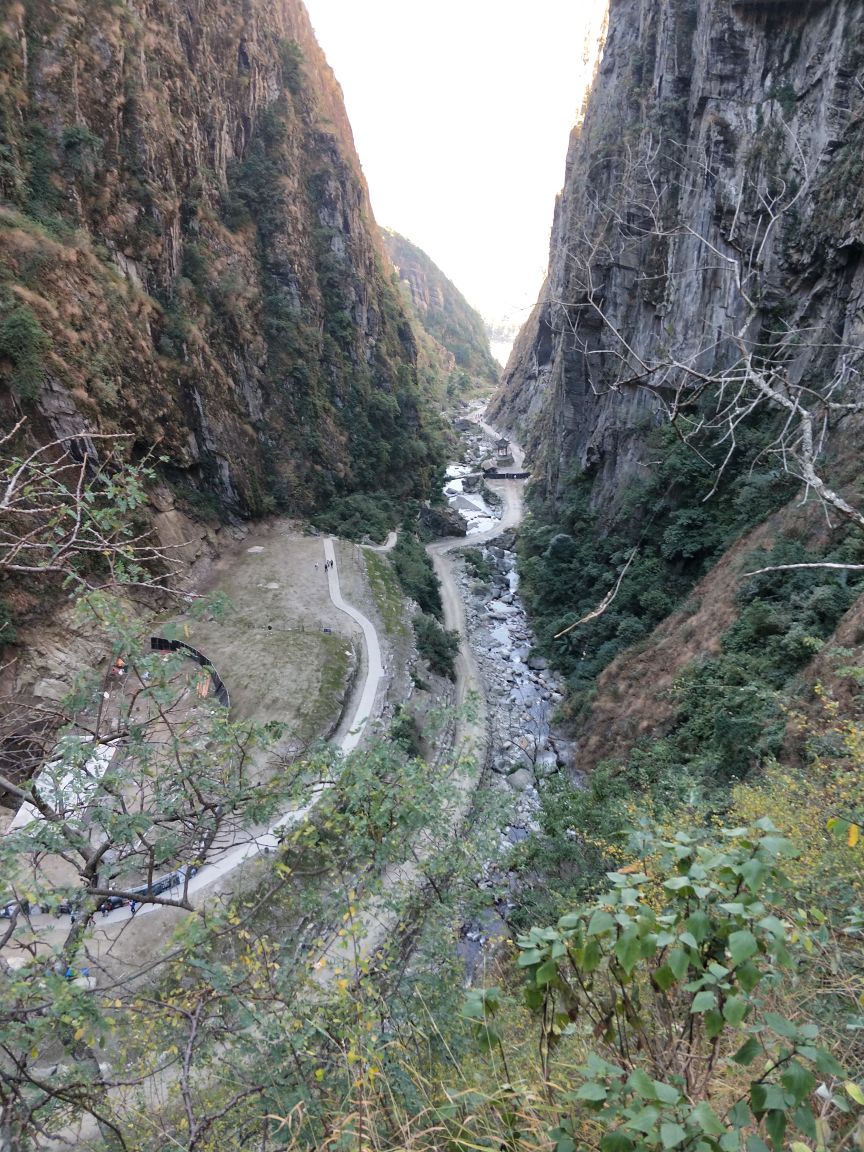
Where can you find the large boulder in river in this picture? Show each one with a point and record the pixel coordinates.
(442, 520)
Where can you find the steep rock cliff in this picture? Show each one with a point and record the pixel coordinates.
(443, 310)
(715, 183)
(189, 256)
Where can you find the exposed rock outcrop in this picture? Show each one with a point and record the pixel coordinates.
(719, 166)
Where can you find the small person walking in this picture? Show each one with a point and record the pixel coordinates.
(316, 565)
(133, 908)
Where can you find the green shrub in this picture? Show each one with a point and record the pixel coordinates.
(81, 149)
(416, 574)
(436, 645)
(477, 565)
(24, 342)
(570, 561)
(669, 968)
(291, 56)
(359, 516)
(405, 732)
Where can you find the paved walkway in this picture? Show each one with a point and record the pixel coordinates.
(228, 859)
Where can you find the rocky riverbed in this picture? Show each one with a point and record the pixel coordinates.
(521, 691)
(521, 695)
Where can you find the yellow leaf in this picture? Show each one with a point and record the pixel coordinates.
(854, 835)
(80, 1033)
(855, 1092)
(319, 1073)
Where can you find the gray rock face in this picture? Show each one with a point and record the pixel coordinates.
(520, 781)
(498, 610)
(546, 765)
(701, 115)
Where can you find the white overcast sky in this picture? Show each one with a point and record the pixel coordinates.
(461, 111)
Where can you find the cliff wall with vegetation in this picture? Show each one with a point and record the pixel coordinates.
(713, 191)
(689, 388)
(443, 311)
(188, 255)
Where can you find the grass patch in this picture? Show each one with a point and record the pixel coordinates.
(294, 676)
(385, 590)
(324, 712)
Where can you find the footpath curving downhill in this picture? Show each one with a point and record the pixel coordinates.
(227, 859)
(374, 667)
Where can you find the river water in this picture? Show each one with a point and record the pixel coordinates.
(471, 506)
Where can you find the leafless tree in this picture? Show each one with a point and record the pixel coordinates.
(75, 509)
(796, 374)
(712, 388)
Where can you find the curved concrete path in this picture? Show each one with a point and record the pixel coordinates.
(226, 860)
(374, 665)
(387, 546)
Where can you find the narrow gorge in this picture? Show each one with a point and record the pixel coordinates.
(400, 753)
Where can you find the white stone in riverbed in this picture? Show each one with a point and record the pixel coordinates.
(545, 765)
(521, 781)
(500, 611)
(524, 693)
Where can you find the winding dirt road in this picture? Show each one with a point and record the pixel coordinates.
(472, 736)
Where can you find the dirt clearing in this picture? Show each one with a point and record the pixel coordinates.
(282, 649)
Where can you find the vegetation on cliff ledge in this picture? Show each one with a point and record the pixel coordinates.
(218, 288)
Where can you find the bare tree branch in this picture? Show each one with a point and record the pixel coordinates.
(604, 603)
(789, 567)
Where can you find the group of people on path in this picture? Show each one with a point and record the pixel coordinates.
(327, 564)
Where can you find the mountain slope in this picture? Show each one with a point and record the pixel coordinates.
(713, 190)
(189, 256)
(704, 290)
(443, 310)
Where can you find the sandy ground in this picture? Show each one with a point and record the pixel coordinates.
(280, 645)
